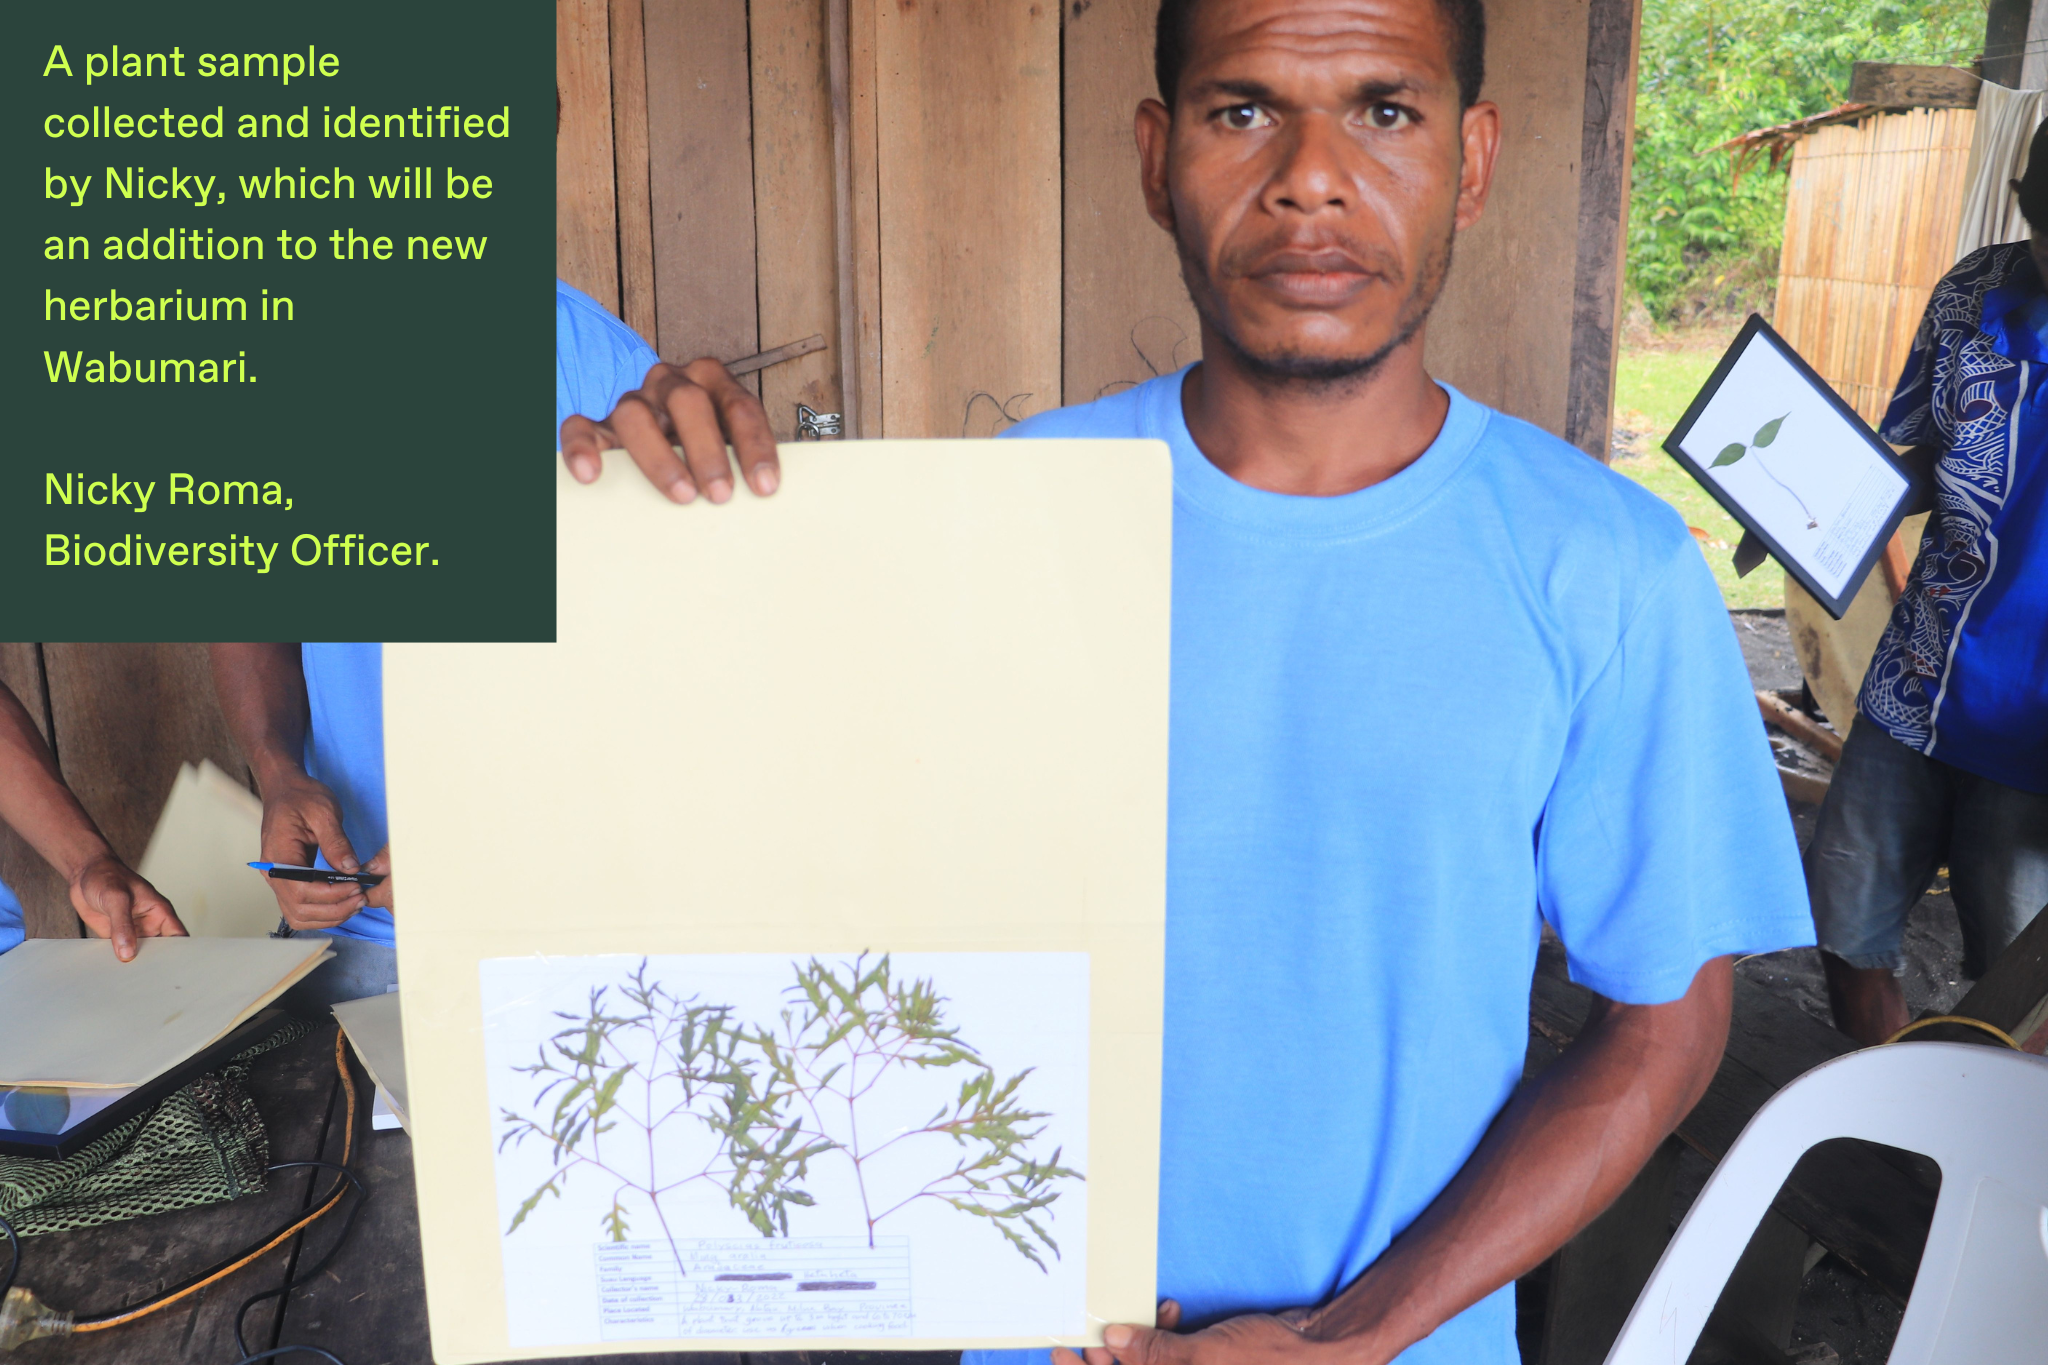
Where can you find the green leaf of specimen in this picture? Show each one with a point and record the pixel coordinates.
(747, 1108)
(1729, 454)
(1768, 432)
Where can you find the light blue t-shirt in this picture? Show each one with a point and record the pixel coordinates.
(1409, 725)
(345, 749)
(11, 919)
(597, 357)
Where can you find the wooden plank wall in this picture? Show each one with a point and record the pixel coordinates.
(960, 216)
(1870, 227)
(121, 719)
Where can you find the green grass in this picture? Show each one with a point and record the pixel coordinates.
(1651, 391)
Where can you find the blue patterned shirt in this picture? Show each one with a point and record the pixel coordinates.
(1961, 673)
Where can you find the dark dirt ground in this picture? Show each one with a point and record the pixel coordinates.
(1841, 1317)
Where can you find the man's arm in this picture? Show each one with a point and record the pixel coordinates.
(1562, 1150)
(107, 894)
(262, 690)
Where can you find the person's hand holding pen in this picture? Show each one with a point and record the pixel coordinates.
(697, 409)
(302, 819)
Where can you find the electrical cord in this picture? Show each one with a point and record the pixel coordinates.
(345, 1180)
(289, 1285)
(100, 1322)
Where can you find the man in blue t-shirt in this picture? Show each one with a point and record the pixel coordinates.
(1947, 763)
(110, 897)
(1438, 680)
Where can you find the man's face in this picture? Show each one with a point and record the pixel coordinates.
(1313, 173)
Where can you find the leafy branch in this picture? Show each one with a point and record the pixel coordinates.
(846, 1034)
(634, 1068)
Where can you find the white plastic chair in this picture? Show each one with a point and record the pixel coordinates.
(1981, 1297)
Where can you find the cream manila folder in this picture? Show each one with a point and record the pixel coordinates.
(373, 1031)
(73, 1014)
(825, 1007)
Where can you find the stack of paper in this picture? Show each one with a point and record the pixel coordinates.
(73, 1014)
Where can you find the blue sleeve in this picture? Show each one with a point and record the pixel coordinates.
(1666, 840)
(12, 921)
(1908, 420)
(597, 357)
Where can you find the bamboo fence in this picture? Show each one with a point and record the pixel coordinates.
(1870, 228)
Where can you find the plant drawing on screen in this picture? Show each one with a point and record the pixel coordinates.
(655, 1096)
(1765, 434)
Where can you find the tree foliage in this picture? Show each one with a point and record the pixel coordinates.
(1714, 69)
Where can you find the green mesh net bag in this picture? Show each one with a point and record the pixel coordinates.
(204, 1144)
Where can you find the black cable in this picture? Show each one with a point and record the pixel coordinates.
(13, 1260)
(287, 1350)
(288, 1286)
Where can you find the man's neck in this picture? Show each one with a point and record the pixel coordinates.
(1312, 440)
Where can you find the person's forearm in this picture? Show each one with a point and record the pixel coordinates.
(262, 691)
(34, 800)
(1565, 1147)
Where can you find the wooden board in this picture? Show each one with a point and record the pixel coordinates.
(1500, 328)
(2013, 995)
(586, 222)
(1606, 140)
(701, 179)
(629, 159)
(1126, 315)
(860, 252)
(968, 161)
(797, 242)
(1923, 87)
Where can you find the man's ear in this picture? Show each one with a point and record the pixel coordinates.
(1155, 136)
(1480, 131)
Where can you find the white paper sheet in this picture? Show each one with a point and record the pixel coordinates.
(636, 1237)
(73, 1014)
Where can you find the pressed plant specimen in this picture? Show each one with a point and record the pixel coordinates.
(657, 1093)
(855, 1029)
(1765, 434)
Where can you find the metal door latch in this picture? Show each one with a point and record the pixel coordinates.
(812, 425)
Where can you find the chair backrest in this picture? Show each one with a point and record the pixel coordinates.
(1981, 1113)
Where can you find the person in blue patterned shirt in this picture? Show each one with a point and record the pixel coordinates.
(1947, 763)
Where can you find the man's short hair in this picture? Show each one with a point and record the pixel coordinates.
(1464, 24)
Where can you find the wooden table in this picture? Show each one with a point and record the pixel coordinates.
(368, 1307)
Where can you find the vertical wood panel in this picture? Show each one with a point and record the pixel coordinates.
(1127, 315)
(127, 716)
(969, 163)
(1500, 329)
(864, 209)
(45, 903)
(1606, 140)
(629, 139)
(586, 221)
(794, 185)
(701, 178)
